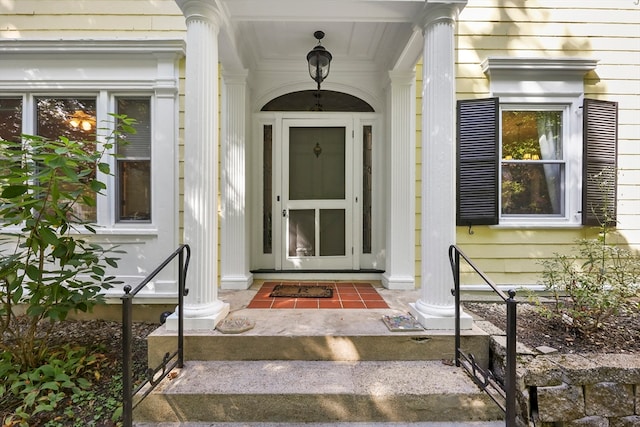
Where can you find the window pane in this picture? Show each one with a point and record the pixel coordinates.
(136, 199)
(302, 232)
(533, 164)
(10, 119)
(75, 119)
(134, 162)
(532, 135)
(532, 188)
(367, 187)
(332, 232)
(267, 192)
(316, 163)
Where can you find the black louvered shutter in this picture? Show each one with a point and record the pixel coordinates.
(600, 134)
(477, 171)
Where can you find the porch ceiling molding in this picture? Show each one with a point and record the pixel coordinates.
(361, 34)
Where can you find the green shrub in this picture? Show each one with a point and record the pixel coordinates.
(48, 262)
(598, 280)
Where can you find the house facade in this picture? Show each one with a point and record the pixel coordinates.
(507, 128)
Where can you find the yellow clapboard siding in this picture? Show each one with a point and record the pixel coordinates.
(93, 7)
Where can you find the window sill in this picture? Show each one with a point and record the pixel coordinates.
(115, 230)
(536, 225)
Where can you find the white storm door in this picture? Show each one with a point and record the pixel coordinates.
(317, 195)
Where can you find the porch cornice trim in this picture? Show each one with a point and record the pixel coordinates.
(137, 46)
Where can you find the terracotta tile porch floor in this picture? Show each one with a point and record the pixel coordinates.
(348, 295)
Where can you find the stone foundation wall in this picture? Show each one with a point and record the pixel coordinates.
(567, 390)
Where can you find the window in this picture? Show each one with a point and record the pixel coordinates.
(533, 163)
(517, 163)
(10, 119)
(133, 163)
(76, 118)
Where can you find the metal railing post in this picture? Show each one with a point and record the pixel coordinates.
(510, 374)
(127, 379)
(455, 264)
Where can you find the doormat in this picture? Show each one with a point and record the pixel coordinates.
(302, 291)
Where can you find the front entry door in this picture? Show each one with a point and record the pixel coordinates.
(317, 195)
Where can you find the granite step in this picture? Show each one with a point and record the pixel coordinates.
(330, 392)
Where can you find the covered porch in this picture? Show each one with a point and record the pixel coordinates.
(243, 54)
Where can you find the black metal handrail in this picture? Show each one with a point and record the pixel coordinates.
(170, 361)
(503, 395)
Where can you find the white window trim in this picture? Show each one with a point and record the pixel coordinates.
(532, 83)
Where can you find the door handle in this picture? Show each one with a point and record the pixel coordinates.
(284, 213)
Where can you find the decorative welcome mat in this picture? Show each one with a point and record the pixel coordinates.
(302, 291)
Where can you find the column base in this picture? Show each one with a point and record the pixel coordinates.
(399, 283)
(209, 321)
(240, 283)
(441, 321)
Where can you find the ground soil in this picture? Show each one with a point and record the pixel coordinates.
(619, 333)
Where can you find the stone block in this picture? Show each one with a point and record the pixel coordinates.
(560, 403)
(542, 372)
(609, 399)
(632, 421)
(592, 421)
(620, 368)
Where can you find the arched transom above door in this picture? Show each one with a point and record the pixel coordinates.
(323, 100)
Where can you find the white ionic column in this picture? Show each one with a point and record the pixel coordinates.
(435, 309)
(202, 309)
(400, 238)
(234, 256)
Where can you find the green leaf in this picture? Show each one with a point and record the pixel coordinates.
(14, 191)
(104, 168)
(83, 383)
(51, 385)
(48, 236)
(34, 273)
(96, 185)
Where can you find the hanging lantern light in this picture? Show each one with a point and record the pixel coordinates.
(319, 60)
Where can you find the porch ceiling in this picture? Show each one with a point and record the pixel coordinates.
(374, 35)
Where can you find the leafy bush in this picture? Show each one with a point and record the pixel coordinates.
(48, 263)
(597, 281)
(28, 392)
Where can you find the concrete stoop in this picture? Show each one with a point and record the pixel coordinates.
(329, 367)
(317, 391)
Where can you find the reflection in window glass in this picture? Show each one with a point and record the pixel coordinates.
(10, 119)
(533, 165)
(302, 233)
(133, 164)
(267, 191)
(367, 187)
(75, 119)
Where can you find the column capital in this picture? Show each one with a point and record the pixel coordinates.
(440, 10)
(235, 77)
(205, 10)
(402, 77)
